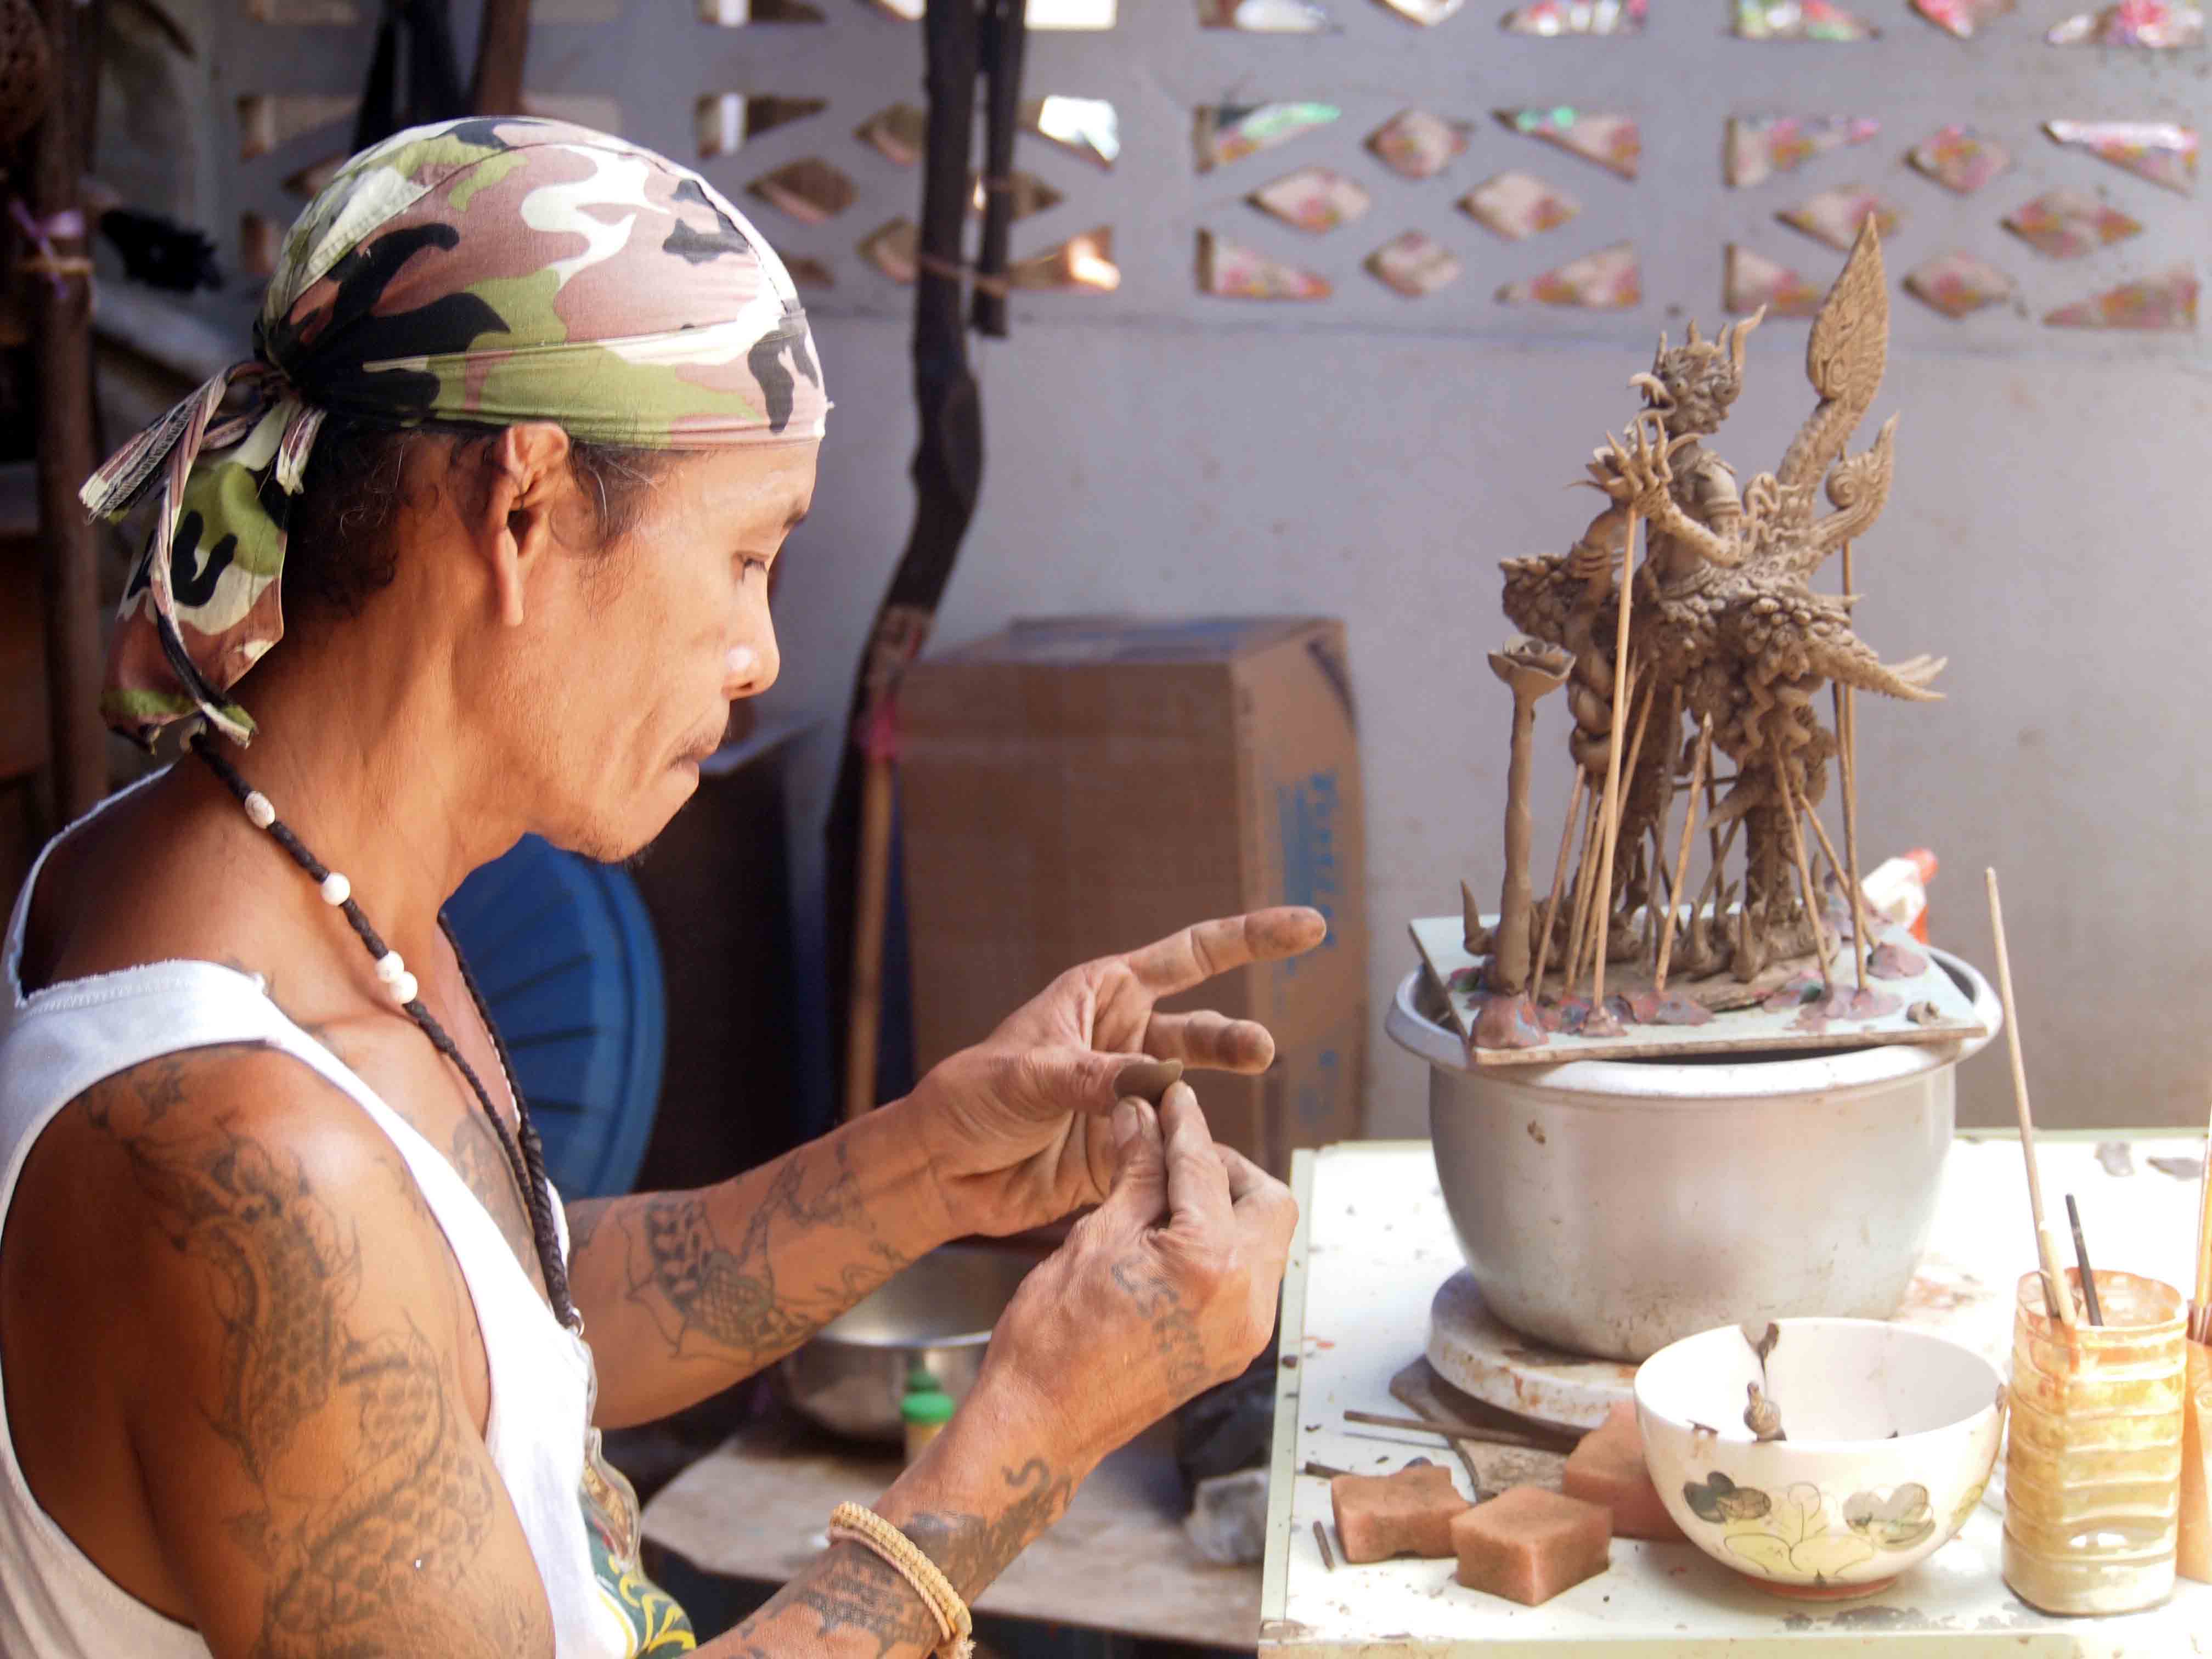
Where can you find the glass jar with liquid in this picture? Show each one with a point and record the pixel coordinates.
(2093, 1460)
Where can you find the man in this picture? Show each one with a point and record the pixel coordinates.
(292, 1349)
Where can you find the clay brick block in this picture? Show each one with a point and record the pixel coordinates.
(1607, 1468)
(1408, 1513)
(1527, 1544)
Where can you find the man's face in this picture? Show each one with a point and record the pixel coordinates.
(641, 647)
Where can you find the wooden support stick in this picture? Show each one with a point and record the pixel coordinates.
(1847, 762)
(863, 1016)
(1635, 752)
(1827, 849)
(2200, 1315)
(1460, 1431)
(1804, 867)
(1621, 687)
(1682, 856)
(1559, 883)
(2082, 1259)
(2058, 1299)
(1585, 876)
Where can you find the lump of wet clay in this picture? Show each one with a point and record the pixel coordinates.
(1408, 1513)
(1607, 1466)
(1527, 1544)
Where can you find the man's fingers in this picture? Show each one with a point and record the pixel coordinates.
(1139, 1193)
(1148, 1079)
(1256, 1193)
(1198, 1188)
(1207, 948)
(1212, 1039)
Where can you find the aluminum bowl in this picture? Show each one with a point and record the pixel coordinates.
(937, 1314)
(1610, 1208)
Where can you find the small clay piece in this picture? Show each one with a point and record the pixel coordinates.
(1924, 1013)
(1147, 1079)
(1320, 1540)
(1527, 1544)
(1607, 1468)
(1675, 1010)
(1796, 994)
(1472, 933)
(1602, 1022)
(1408, 1513)
(1892, 960)
(1762, 1416)
(1508, 1022)
(1531, 669)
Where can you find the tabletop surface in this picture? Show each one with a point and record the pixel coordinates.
(1372, 1247)
(757, 1506)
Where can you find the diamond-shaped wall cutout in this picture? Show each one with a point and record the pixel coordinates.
(737, 14)
(1959, 159)
(1613, 142)
(1519, 205)
(1087, 127)
(1081, 264)
(894, 249)
(1760, 146)
(1958, 284)
(1317, 200)
(1834, 216)
(1031, 195)
(1415, 265)
(1415, 144)
(1231, 271)
(1230, 132)
(1962, 17)
(2165, 301)
(1750, 280)
(725, 119)
(309, 180)
(2160, 151)
(896, 133)
(2064, 224)
(1265, 16)
(2151, 25)
(811, 190)
(1554, 18)
(1609, 280)
(1800, 19)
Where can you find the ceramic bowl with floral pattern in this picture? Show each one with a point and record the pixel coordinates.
(1889, 1437)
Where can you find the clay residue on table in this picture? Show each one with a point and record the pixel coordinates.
(1894, 961)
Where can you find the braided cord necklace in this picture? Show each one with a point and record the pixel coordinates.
(526, 1153)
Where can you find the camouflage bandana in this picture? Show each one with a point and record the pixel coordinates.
(489, 271)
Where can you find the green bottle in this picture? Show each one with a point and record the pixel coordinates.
(926, 1409)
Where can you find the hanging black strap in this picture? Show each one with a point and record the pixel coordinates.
(420, 32)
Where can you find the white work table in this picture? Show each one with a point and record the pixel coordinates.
(1372, 1247)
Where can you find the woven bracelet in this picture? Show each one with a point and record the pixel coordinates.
(853, 1523)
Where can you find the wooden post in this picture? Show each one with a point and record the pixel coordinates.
(61, 327)
(502, 43)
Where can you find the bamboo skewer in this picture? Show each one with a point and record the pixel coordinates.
(2081, 1259)
(1585, 875)
(1559, 884)
(1480, 1437)
(1847, 763)
(1613, 754)
(2059, 1300)
(1804, 867)
(2200, 1315)
(1682, 857)
(1598, 939)
(1827, 846)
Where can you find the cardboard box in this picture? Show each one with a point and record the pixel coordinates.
(1073, 787)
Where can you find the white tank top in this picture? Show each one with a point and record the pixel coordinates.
(56, 1044)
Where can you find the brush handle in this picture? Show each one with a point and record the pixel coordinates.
(2054, 1280)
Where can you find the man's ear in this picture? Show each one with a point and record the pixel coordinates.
(526, 479)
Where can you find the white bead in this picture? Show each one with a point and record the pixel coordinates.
(258, 812)
(337, 890)
(389, 967)
(403, 988)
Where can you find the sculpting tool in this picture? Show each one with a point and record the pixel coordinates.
(2082, 1258)
(1458, 1432)
(2056, 1298)
(1622, 688)
(1321, 1538)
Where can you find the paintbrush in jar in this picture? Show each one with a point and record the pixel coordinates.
(2056, 1298)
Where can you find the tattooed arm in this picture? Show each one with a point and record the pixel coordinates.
(295, 1342)
(685, 1293)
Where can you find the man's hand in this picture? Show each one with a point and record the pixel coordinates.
(1167, 1288)
(1015, 1127)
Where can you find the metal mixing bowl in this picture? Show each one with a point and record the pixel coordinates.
(1611, 1207)
(937, 1314)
